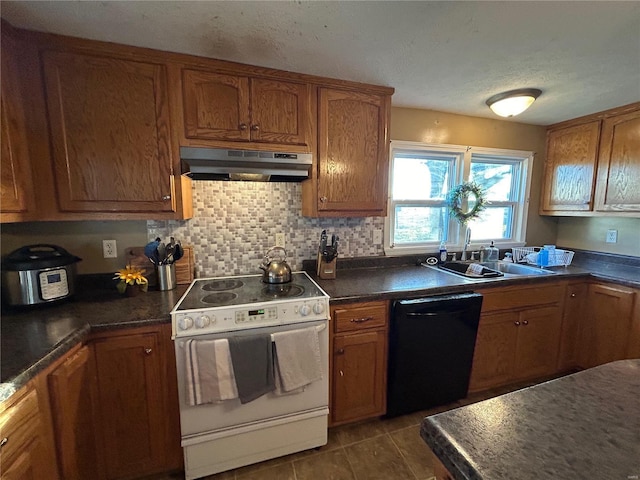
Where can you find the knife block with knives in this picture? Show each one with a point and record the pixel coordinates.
(327, 257)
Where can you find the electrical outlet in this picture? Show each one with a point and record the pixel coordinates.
(612, 236)
(109, 249)
(280, 240)
(377, 237)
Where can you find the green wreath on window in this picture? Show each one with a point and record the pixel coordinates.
(466, 201)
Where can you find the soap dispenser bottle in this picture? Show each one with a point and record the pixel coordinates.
(492, 253)
(443, 252)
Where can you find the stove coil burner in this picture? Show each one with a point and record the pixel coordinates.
(282, 291)
(222, 285)
(219, 298)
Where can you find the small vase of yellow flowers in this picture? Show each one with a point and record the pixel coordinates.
(131, 281)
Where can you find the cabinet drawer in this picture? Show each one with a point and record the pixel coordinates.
(521, 297)
(360, 316)
(19, 425)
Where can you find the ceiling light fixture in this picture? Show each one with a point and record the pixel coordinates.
(513, 102)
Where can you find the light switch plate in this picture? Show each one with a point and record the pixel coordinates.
(377, 237)
(612, 236)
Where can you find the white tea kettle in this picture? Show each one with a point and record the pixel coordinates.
(276, 269)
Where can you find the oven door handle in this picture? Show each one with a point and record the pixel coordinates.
(319, 328)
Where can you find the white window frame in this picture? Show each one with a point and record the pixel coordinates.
(456, 233)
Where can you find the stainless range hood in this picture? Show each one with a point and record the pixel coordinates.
(249, 165)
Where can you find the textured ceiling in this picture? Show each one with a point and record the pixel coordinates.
(448, 56)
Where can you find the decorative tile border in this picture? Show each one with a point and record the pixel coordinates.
(235, 223)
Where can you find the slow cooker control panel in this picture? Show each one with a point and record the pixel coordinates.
(53, 284)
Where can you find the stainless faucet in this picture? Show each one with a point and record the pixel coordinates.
(467, 242)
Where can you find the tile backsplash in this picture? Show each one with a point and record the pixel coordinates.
(235, 223)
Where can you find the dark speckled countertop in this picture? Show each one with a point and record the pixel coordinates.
(585, 425)
(33, 338)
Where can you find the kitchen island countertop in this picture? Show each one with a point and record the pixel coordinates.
(584, 425)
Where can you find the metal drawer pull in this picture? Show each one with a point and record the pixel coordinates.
(3, 442)
(243, 126)
(360, 320)
(148, 351)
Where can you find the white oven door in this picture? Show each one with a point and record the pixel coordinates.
(196, 420)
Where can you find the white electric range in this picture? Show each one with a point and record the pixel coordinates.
(221, 436)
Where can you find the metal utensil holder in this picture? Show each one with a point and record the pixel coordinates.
(166, 276)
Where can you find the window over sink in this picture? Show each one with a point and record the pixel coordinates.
(422, 174)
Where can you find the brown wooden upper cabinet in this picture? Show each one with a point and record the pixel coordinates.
(618, 184)
(593, 164)
(353, 155)
(571, 165)
(109, 122)
(233, 108)
(16, 185)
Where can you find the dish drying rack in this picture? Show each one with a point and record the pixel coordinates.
(557, 257)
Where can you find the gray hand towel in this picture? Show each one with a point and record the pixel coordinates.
(252, 361)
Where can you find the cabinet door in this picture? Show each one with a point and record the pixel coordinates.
(353, 156)
(359, 374)
(607, 326)
(109, 121)
(26, 450)
(570, 168)
(72, 400)
(129, 373)
(16, 190)
(618, 187)
(280, 112)
(495, 352)
(574, 312)
(216, 106)
(538, 342)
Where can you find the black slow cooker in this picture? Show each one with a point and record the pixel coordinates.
(37, 274)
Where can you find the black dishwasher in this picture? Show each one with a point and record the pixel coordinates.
(431, 343)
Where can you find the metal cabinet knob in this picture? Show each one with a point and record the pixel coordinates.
(255, 128)
(148, 351)
(525, 322)
(323, 199)
(340, 351)
(3, 442)
(516, 323)
(341, 373)
(166, 197)
(242, 126)
(573, 295)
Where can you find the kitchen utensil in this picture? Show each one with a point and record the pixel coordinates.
(178, 252)
(36, 274)
(162, 254)
(275, 267)
(151, 251)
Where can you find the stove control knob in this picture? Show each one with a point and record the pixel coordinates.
(305, 310)
(185, 323)
(318, 308)
(203, 321)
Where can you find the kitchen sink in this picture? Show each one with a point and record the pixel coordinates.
(515, 268)
(491, 269)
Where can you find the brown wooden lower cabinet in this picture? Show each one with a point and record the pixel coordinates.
(518, 336)
(575, 304)
(607, 326)
(358, 361)
(72, 398)
(137, 406)
(26, 438)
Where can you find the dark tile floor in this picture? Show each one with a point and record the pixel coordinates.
(385, 449)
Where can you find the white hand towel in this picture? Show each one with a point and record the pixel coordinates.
(298, 358)
(209, 372)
